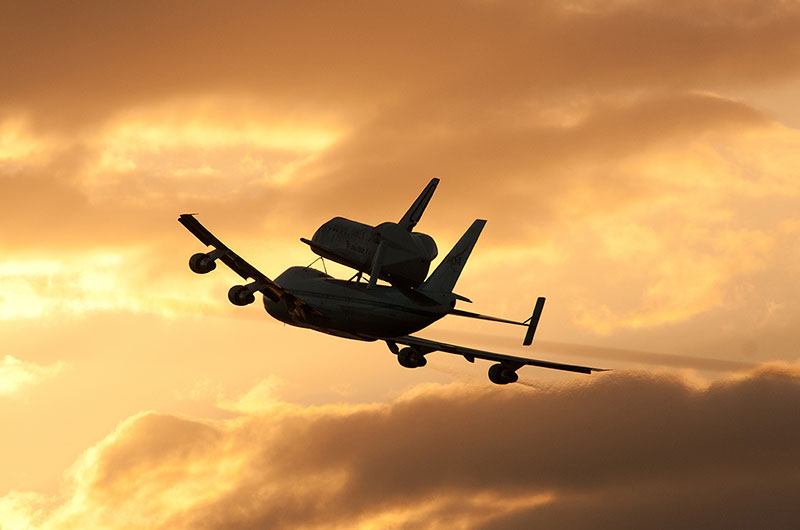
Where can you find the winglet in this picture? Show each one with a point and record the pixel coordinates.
(534, 321)
(414, 214)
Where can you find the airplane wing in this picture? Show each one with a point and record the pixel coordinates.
(511, 362)
(237, 264)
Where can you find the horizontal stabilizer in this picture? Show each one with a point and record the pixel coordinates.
(531, 323)
(470, 314)
(534, 321)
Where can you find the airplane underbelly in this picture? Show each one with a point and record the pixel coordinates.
(372, 321)
(352, 321)
(349, 309)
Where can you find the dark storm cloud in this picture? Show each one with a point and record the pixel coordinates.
(625, 450)
(711, 503)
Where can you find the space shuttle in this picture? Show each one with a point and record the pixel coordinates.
(390, 251)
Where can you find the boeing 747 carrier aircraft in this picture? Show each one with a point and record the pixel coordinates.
(365, 310)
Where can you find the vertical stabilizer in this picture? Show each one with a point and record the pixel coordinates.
(444, 278)
(414, 214)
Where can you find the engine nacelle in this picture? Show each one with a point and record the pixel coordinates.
(241, 295)
(411, 358)
(501, 375)
(201, 263)
(405, 257)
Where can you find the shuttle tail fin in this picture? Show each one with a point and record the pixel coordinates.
(444, 278)
(414, 214)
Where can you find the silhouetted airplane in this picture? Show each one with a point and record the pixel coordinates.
(309, 298)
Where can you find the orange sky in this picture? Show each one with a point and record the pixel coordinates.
(637, 162)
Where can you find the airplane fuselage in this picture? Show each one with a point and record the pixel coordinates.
(350, 309)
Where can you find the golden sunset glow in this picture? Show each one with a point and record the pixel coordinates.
(232, 146)
(15, 144)
(15, 374)
(638, 163)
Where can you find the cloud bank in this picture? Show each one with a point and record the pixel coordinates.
(627, 450)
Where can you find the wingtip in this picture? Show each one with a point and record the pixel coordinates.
(533, 321)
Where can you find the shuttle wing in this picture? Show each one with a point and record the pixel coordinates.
(237, 264)
(470, 354)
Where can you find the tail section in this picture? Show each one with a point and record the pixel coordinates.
(414, 214)
(444, 278)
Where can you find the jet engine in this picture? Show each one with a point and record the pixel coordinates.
(411, 358)
(502, 375)
(201, 263)
(389, 251)
(242, 294)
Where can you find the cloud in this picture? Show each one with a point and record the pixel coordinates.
(192, 113)
(258, 399)
(587, 166)
(84, 62)
(660, 192)
(16, 375)
(578, 455)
